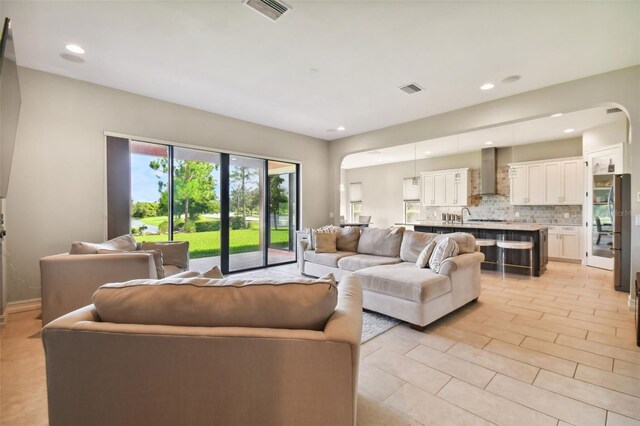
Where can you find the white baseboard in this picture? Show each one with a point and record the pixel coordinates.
(23, 306)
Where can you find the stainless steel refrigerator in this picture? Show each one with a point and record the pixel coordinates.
(612, 215)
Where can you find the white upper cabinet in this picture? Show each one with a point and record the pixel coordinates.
(445, 188)
(552, 182)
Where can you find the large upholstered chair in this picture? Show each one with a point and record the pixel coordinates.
(109, 373)
(69, 280)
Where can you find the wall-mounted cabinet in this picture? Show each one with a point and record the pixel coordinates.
(445, 188)
(564, 243)
(550, 182)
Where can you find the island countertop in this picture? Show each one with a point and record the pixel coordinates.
(506, 226)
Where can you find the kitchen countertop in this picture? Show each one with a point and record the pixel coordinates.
(507, 226)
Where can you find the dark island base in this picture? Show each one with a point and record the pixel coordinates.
(517, 261)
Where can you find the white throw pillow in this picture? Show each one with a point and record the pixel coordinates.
(446, 248)
(213, 273)
(425, 254)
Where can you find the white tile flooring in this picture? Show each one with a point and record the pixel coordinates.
(556, 350)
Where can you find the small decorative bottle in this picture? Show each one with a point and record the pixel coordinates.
(612, 167)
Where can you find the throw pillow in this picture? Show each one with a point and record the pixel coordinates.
(173, 252)
(312, 235)
(446, 248)
(214, 273)
(123, 242)
(425, 255)
(347, 239)
(326, 242)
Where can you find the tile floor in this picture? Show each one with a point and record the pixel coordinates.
(556, 350)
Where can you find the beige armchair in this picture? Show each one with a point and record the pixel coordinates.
(69, 280)
(101, 373)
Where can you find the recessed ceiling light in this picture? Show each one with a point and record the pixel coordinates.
(488, 143)
(557, 114)
(427, 152)
(487, 86)
(569, 130)
(75, 48)
(511, 79)
(341, 128)
(234, 159)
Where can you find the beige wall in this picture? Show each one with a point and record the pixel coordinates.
(547, 150)
(619, 88)
(57, 187)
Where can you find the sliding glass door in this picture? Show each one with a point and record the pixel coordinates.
(237, 212)
(247, 245)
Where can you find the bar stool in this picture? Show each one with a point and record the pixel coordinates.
(481, 242)
(514, 245)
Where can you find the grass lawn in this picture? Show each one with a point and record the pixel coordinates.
(153, 221)
(206, 244)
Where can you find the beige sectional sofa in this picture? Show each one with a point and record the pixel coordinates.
(211, 360)
(385, 262)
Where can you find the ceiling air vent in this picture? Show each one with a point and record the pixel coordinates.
(411, 88)
(268, 8)
(613, 110)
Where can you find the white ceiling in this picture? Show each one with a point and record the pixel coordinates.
(221, 56)
(531, 131)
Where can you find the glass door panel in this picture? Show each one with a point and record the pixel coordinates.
(247, 245)
(149, 183)
(602, 213)
(196, 205)
(282, 212)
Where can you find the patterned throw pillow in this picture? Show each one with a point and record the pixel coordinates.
(425, 254)
(326, 242)
(446, 248)
(312, 235)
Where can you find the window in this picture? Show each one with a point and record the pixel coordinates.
(411, 200)
(355, 199)
(237, 212)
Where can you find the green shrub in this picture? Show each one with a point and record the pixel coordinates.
(163, 227)
(237, 222)
(142, 209)
(190, 226)
(206, 226)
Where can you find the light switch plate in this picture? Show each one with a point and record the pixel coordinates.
(567, 215)
(638, 220)
(638, 197)
(331, 214)
(517, 214)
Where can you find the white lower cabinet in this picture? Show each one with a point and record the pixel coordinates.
(564, 243)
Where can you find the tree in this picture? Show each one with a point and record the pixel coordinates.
(277, 195)
(194, 187)
(142, 209)
(241, 180)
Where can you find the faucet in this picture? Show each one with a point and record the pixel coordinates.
(462, 214)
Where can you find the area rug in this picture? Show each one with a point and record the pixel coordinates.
(373, 323)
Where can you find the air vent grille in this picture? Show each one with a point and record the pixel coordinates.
(613, 110)
(268, 8)
(411, 88)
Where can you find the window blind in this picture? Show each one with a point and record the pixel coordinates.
(355, 192)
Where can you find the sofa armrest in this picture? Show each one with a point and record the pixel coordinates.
(69, 280)
(461, 261)
(303, 244)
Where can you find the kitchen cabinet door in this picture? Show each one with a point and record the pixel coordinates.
(450, 188)
(462, 188)
(572, 182)
(570, 246)
(535, 184)
(438, 189)
(555, 245)
(518, 184)
(428, 196)
(553, 188)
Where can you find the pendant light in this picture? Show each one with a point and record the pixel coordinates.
(416, 179)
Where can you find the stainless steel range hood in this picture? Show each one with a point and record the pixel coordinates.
(488, 172)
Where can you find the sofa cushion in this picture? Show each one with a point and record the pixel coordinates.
(446, 248)
(214, 272)
(173, 252)
(381, 242)
(413, 242)
(123, 242)
(295, 303)
(425, 254)
(404, 280)
(361, 261)
(326, 242)
(326, 259)
(466, 242)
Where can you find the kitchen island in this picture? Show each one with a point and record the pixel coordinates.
(516, 261)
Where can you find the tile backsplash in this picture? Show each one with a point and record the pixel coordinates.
(498, 206)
